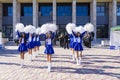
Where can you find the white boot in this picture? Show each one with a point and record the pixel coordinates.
(30, 57)
(73, 57)
(49, 67)
(22, 64)
(77, 61)
(80, 60)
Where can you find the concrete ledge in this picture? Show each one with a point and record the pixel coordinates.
(105, 43)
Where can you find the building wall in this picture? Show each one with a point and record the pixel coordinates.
(1, 16)
(36, 20)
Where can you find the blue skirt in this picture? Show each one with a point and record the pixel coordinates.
(49, 50)
(38, 43)
(71, 44)
(22, 47)
(78, 47)
(35, 43)
(30, 45)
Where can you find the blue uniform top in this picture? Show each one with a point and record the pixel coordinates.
(78, 39)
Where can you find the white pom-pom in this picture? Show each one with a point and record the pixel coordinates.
(26, 29)
(89, 27)
(20, 27)
(15, 30)
(32, 29)
(45, 28)
(38, 30)
(70, 27)
(79, 29)
(52, 27)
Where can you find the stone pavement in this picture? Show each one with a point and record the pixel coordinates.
(97, 64)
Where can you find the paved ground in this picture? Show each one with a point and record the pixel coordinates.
(98, 64)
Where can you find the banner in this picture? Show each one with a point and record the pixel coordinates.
(115, 39)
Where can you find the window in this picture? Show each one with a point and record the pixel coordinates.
(64, 10)
(118, 10)
(82, 10)
(10, 11)
(26, 9)
(45, 10)
(7, 9)
(102, 9)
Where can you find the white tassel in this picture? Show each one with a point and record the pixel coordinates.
(89, 27)
(19, 27)
(70, 27)
(38, 30)
(79, 29)
(52, 27)
(45, 28)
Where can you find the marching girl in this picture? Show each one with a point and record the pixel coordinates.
(71, 45)
(30, 30)
(35, 44)
(49, 49)
(49, 29)
(38, 43)
(78, 46)
(22, 47)
(69, 28)
(30, 45)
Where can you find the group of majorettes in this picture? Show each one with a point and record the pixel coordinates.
(76, 34)
(76, 46)
(28, 43)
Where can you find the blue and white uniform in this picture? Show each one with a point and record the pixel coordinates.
(71, 41)
(49, 48)
(35, 41)
(30, 42)
(22, 46)
(38, 43)
(78, 43)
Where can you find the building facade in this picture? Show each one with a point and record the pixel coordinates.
(103, 14)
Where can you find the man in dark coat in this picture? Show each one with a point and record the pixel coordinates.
(66, 41)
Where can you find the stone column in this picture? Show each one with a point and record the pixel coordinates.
(54, 12)
(114, 13)
(35, 13)
(74, 11)
(93, 15)
(1, 9)
(14, 16)
(18, 12)
(110, 17)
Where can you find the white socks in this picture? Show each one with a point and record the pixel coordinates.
(22, 63)
(78, 61)
(30, 57)
(73, 57)
(49, 67)
(37, 53)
